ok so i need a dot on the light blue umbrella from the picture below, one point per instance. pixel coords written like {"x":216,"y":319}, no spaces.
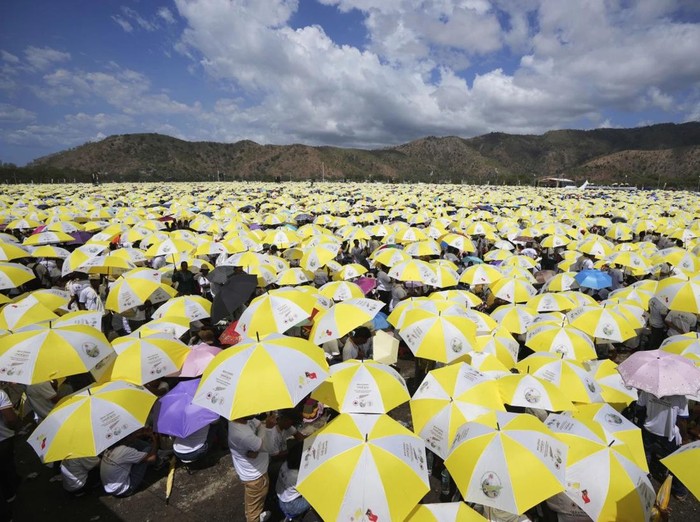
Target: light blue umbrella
{"x":594,"y":279}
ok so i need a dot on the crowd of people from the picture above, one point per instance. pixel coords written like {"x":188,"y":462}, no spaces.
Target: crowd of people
{"x":536,"y":239}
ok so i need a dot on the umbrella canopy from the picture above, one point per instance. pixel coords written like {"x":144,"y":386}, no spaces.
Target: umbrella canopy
{"x":594,"y":279}
{"x":680,"y":294}
{"x":377,"y":468}
{"x":683,"y":463}
{"x":567,"y":340}
{"x":512,"y":289}
{"x":27,"y":311}
{"x":144,"y":359}
{"x":341,"y":290}
{"x":235,"y":291}
{"x":197,"y":360}
{"x":507,"y":461}
{"x":446,"y":399}
{"x":128,"y":293}
{"x":88,"y":422}
{"x":193,"y":307}
{"x":275,"y":312}
{"x":529,"y":391}
{"x":13,"y":275}
{"x":362,"y":387}
{"x":174,"y":413}
{"x":568,"y":375}
{"x":445,"y":512}
{"x":342,"y":317}
{"x":45,"y":353}
{"x":612,"y":387}
{"x":289,"y":367}
{"x":660,"y":373}
{"x":516,"y":318}
{"x":442,"y":338}
{"x":601,"y":477}
{"x":601,"y":322}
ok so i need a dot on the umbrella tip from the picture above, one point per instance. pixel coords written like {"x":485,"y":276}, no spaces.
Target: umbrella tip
{"x":611,"y":443}
{"x":498,"y":427}
{"x":366,"y":437}
{"x":257,"y":335}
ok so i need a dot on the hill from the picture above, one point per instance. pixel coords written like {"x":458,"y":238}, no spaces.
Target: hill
{"x":650,"y":156}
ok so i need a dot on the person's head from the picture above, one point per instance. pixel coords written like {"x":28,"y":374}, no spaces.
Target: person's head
{"x":204,"y":271}
{"x":356,"y":242}
{"x":361,"y":335}
{"x":287,"y":418}
{"x":184,"y":266}
{"x":207,"y":335}
{"x":95,"y":281}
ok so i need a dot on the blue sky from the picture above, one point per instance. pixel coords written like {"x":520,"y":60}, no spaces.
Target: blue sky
{"x":354,"y":73}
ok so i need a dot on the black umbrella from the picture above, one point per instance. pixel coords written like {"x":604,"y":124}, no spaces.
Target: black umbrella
{"x":221,"y":274}
{"x":232,"y":294}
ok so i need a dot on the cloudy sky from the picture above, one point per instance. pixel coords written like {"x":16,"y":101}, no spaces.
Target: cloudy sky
{"x":354,"y":73}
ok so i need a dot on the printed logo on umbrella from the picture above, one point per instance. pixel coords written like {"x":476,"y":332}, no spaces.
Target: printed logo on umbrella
{"x":532,"y":395}
{"x":491,"y":485}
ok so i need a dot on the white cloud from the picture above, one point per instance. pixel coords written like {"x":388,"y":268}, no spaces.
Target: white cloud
{"x":166,"y":14}
{"x":12,"y":114}
{"x":123,"y":23}
{"x":138,"y":19}
{"x":9,"y":57}
{"x":42,"y":58}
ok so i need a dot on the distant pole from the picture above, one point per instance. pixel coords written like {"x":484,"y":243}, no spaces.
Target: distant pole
{"x":323,"y":171}
{"x":698,"y":183}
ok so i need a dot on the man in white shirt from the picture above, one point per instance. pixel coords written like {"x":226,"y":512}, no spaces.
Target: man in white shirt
{"x":42,"y":397}
{"x":89,"y":298}
{"x":124,"y":465}
{"x":79,"y":473}
{"x":657,"y":322}
{"x":358,"y":345}
{"x":664,"y":431}
{"x":680,"y":322}
{"x":250,"y":462}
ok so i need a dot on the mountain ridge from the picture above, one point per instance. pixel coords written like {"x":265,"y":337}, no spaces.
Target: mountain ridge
{"x":662,"y":154}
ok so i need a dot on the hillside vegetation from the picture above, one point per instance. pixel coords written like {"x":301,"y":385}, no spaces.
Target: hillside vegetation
{"x":666,"y":154}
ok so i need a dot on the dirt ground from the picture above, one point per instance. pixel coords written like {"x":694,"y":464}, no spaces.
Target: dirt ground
{"x":210,"y":494}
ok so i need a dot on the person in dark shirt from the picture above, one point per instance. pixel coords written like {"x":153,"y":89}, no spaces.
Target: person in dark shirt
{"x":186,"y":282}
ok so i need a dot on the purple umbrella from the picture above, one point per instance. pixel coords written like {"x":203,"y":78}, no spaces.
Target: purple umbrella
{"x":176,"y":415}
{"x":367,"y":284}
{"x":660,"y":373}
{"x":80,"y":238}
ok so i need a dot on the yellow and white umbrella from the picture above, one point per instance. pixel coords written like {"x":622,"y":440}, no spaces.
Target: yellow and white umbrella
{"x":550,"y":302}
{"x":516,"y":318}
{"x":341,"y":290}
{"x":499,"y":343}
{"x":172,"y":325}
{"x":601,"y":477}
{"x":460,"y":297}
{"x":362,"y":387}
{"x":529,"y":391}
{"x":144,"y":359}
{"x":444,"y":512}
{"x":351,"y":271}
{"x":130,"y":292}
{"x":13,"y":275}
{"x":571,"y":377}
{"x":615,"y":428}
{"x":512,"y":290}
{"x":88,"y":422}
{"x":294,"y":276}
{"x":680,"y":294}
{"x":427,"y":247}
{"x":414,"y":270}
{"x":683,"y":463}
{"x":687,"y":344}
{"x":48,"y":238}
{"x":193,"y":307}
{"x":567,"y":340}
{"x":342,"y":317}
{"x":316,"y":257}
{"x":458,"y":241}
{"x":507,"y":461}
{"x":389,"y":256}
{"x":601,"y":322}
{"x":612,"y":387}
{"x":377,"y":468}
{"x":10,"y":251}
{"x":289,"y":367}
{"x":27,"y":311}
{"x":446,"y":399}
{"x":275,"y":312}
{"x":44,"y":353}
{"x":561,"y":282}
{"x":438,"y":337}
